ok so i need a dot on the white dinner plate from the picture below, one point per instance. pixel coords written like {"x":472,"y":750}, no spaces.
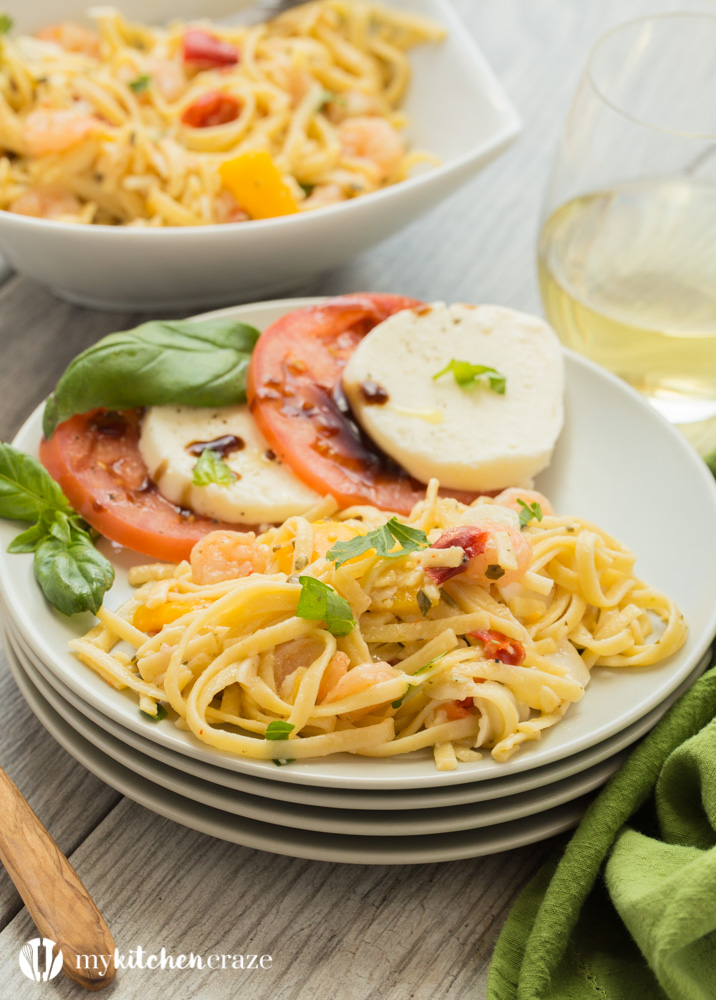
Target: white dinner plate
{"x":324,"y":819}
{"x":315,"y":846}
{"x":617,"y":463}
{"x":601,"y":760}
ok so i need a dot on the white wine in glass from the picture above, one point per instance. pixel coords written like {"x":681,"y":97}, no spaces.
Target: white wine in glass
{"x":627,"y":250}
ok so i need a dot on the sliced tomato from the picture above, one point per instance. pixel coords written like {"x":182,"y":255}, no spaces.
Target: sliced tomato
{"x":294,"y":392}
{"x":500,"y":647}
{"x":471,"y":538}
{"x":212,"y":108}
{"x":205,"y":51}
{"x":96,"y":460}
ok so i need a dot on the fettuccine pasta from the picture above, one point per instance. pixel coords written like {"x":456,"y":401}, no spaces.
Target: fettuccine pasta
{"x":420,"y":648}
{"x":201,"y":123}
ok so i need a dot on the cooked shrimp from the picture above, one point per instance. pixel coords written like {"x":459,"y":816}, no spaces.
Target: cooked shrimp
{"x":323,"y":195}
{"x":168,"y":75}
{"x":226,"y":555}
{"x":494,"y":553}
{"x":72,"y":38}
{"x":293,"y":79}
{"x":53,"y":130}
{"x":352,"y":104}
{"x":359,"y":679}
{"x":373,"y":139}
{"x":333,"y":674}
{"x":42,"y":203}
{"x":510,"y":496}
{"x":228,"y":209}
{"x":291,"y":659}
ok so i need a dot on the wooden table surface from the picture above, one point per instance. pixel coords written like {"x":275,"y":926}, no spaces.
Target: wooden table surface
{"x":346,"y":931}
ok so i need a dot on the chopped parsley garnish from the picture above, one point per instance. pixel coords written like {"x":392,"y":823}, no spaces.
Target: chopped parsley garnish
{"x":494,"y":571}
{"x":211,"y":468}
{"x":424,"y":602}
{"x":140,"y":84}
{"x":330,"y":97}
{"x":383,"y":540}
{"x":468,"y":376}
{"x":278,"y":730}
{"x":529,"y":512}
{"x":319,"y":602}
{"x":280,"y":761}
{"x":421,"y":670}
{"x":6,"y":24}
{"x":450,"y":601}
{"x":161,"y":714}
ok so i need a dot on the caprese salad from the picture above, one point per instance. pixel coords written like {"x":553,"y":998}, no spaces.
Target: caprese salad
{"x":156,"y":436}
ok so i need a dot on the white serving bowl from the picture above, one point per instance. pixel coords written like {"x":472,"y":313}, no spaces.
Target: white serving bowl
{"x":457,"y":109}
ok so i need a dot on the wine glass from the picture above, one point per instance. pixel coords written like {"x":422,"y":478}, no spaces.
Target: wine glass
{"x":627,"y":248}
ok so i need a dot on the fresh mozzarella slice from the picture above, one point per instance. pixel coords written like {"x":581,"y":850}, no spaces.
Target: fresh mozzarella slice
{"x":469,"y":438}
{"x":264,"y":490}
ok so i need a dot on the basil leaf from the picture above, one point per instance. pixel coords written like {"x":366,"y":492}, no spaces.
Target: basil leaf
{"x":421,"y":670}
{"x":211,"y":468}
{"x":194,"y":363}
{"x":140,"y":84}
{"x":278,"y":730}
{"x":529,"y":512}
{"x":424,"y":602}
{"x":383,"y":540}
{"x":61,"y":528}
{"x":73,"y":575}
{"x":280,"y":761}
{"x":161,"y":714}
{"x":27,"y":541}
{"x":27,"y":490}
{"x":319,"y":602}
{"x":409,"y":538}
{"x":467,"y":375}
{"x":6,"y":24}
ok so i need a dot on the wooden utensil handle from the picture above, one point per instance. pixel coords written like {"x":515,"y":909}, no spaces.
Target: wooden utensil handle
{"x":55,"y":897}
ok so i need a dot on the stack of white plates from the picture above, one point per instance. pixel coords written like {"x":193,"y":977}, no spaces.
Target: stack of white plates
{"x":617,"y":463}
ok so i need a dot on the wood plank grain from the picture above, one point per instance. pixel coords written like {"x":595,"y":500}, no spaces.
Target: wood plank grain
{"x":347,"y":931}
{"x":39,"y":336}
{"x":67,"y":798}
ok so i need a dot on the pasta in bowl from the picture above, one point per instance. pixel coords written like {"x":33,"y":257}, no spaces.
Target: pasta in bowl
{"x":461,"y":628}
{"x":201,"y":123}
{"x":136,"y":172}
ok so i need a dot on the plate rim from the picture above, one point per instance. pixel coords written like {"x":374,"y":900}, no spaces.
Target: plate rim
{"x":308,"y":845}
{"x":388,"y":823}
{"x":602,"y":752}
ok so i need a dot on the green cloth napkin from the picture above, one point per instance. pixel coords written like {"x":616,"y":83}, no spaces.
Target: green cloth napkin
{"x":628,"y":912}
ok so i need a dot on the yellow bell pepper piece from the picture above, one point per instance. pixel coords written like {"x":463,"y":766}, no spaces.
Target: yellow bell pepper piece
{"x":325,"y":536}
{"x":154,"y":619}
{"x":403,"y":602}
{"x":254,"y":180}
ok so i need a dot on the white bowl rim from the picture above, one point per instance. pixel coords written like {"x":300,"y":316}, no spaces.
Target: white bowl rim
{"x":494,"y":144}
